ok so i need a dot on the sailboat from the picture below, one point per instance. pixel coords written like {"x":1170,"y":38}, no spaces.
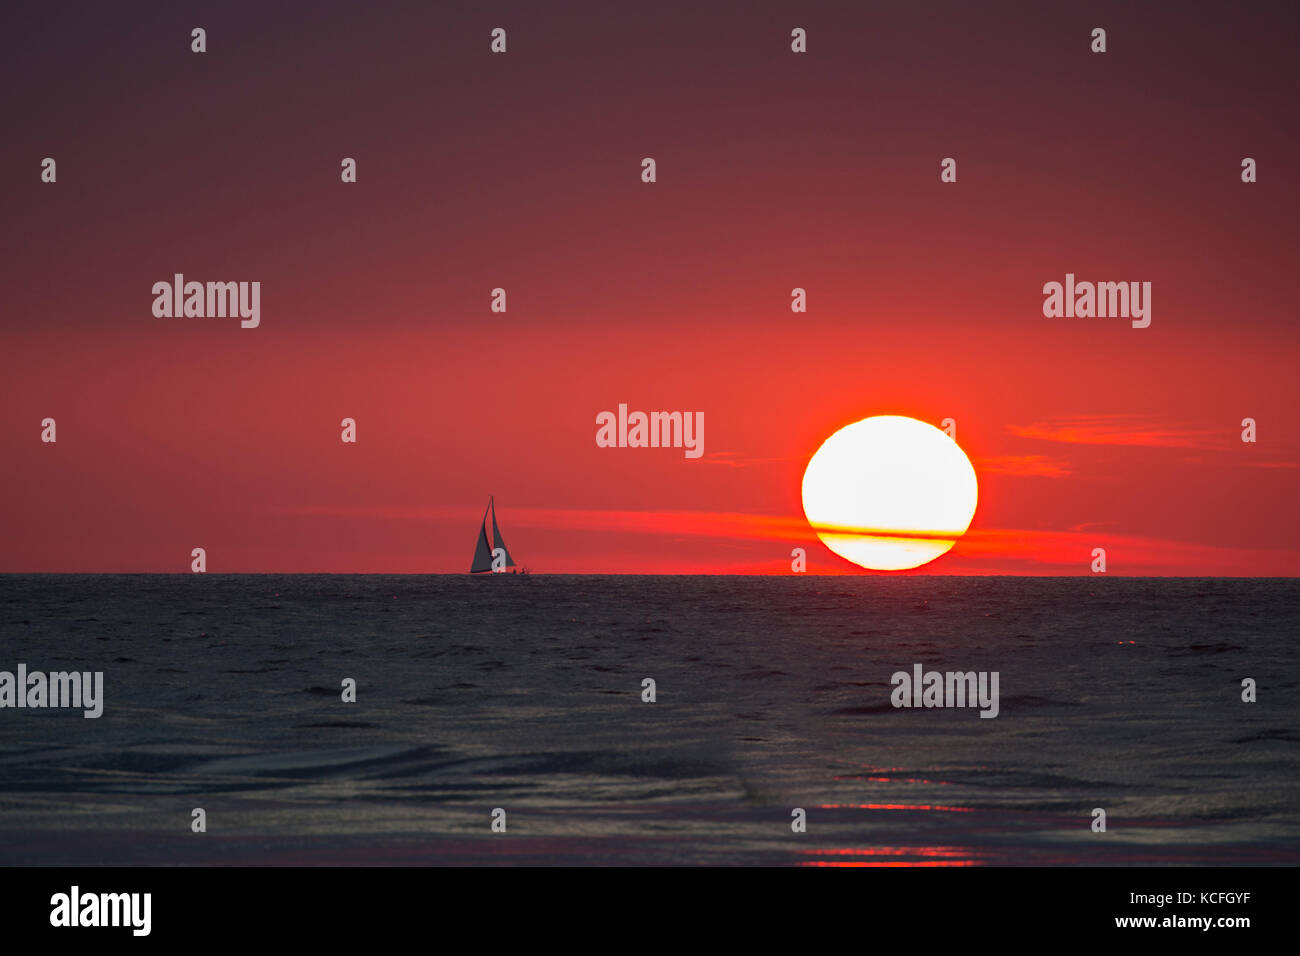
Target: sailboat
{"x":482,"y":551}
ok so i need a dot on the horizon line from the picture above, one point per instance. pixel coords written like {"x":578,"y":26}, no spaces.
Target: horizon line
{"x":649,"y":574}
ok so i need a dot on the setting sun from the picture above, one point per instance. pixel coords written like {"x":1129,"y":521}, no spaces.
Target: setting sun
{"x":889,"y":493}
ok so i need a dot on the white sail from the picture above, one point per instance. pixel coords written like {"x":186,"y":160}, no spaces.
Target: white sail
{"x":497,"y":541}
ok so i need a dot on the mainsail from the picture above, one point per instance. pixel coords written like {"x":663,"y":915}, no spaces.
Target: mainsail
{"x":497,"y":540}
{"x":482,"y":550}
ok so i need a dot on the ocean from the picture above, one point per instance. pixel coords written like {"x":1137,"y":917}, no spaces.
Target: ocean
{"x":524,"y":694}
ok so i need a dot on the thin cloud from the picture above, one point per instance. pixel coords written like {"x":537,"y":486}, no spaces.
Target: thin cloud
{"x":1032,"y":466}
{"x":732,"y":460}
{"x":1121,"y":430}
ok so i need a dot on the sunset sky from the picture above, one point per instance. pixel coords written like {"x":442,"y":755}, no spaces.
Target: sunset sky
{"x":775,"y":170}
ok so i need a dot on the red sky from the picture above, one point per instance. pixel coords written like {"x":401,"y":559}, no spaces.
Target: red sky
{"x":775,"y":170}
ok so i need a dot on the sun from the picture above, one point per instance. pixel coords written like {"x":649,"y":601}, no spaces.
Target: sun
{"x":889,"y":493}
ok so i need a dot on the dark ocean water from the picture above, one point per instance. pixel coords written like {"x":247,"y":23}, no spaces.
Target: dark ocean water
{"x":524,"y":693}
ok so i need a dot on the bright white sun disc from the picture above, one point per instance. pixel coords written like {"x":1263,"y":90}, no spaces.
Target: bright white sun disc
{"x":899,"y":477}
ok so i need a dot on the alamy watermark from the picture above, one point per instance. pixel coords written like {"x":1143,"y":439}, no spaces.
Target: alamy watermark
{"x":57,"y":689}
{"x":1125,"y":300}
{"x":651,"y":430}
{"x":75,"y":908}
{"x":950,"y":689}
{"x":181,"y":299}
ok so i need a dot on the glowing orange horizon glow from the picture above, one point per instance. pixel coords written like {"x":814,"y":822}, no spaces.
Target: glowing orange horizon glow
{"x":891,"y":806}
{"x":917,"y":863}
{"x":929,"y":856}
